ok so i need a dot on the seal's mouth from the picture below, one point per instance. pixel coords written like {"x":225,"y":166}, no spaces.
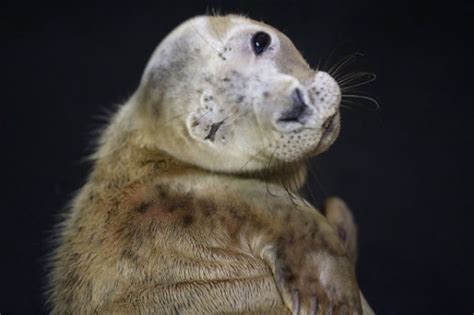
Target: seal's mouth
{"x":328,"y":129}
{"x":329,"y":126}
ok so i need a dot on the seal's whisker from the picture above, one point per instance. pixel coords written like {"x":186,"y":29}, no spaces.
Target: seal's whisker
{"x":333,"y":71}
{"x":268,"y":165}
{"x":350,"y":77}
{"x":296,"y":184}
{"x":252,"y":157}
{"x":314,"y":172}
{"x":202,"y":116}
{"x":233,"y":116}
{"x":363,"y":97}
{"x":307,"y":186}
{"x":285,"y":184}
{"x":355,"y":105}
{"x":176,"y":117}
{"x":370,"y":77}
{"x":329,"y":57}
{"x":204,"y":39}
{"x":212,"y":22}
{"x":346,"y":106}
{"x":364,"y":77}
{"x":213,"y":12}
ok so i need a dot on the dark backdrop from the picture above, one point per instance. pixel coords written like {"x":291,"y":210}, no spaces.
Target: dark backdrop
{"x":405,"y":169}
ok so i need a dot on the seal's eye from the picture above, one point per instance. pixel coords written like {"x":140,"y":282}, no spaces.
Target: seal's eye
{"x":260,"y":42}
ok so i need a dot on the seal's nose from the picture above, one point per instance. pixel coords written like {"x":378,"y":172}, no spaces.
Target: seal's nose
{"x":298,"y":111}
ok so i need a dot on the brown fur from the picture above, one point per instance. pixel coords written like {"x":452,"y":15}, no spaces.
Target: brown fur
{"x":141,"y":239}
{"x":149,"y":234}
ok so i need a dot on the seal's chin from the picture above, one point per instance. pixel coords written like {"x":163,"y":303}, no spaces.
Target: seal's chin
{"x":303,"y":141}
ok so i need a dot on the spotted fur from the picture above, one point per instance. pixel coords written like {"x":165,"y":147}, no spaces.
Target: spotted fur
{"x":192,"y":204}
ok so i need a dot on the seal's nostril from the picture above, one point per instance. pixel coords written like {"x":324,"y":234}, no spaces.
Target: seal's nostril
{"x":298,"y":98}
{"x":299,"y":107}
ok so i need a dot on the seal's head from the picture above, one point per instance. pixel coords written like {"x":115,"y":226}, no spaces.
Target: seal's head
{"x":231,"y":94}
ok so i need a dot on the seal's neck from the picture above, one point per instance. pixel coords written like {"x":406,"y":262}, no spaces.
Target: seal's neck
{"x":124,"y":156}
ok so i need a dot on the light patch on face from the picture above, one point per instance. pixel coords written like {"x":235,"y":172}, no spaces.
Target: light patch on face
{"x":210,"y":121}
{"x":235,"y":100}
{"x":296,"y":140}
{"x":325,"y":94}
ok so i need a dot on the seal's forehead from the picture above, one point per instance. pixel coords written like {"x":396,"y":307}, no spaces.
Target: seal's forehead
{"x":289,"y":60}
{"x":221,"y":25}
{"x":217,"y":28}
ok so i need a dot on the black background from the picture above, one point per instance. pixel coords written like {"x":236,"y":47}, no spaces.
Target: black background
{"x":405,"y":169}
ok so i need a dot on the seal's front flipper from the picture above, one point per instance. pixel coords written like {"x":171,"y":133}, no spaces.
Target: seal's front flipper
{"x":340,"y":217}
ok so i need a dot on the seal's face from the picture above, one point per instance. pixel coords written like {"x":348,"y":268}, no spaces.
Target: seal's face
{"x":240,"y":96}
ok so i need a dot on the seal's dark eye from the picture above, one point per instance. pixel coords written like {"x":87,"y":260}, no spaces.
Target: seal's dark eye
{"x":260,"y":42}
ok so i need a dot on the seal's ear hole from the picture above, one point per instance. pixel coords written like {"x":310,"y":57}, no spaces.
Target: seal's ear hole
{"x":260,"y":42}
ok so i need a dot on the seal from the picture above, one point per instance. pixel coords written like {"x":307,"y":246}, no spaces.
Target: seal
{"x":192,"y":205}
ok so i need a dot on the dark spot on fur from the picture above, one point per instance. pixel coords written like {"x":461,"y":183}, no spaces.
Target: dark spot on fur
{"x":108,"y":216}
{"x":188,"y":220}
{"x":172,"y":201}
{"x":226,"y":79}
{"x":342,"y":234}
{"x":235,"y":213}
{"x":266,"y":94}
{"x":161,"y":191}
{"x":143,"y":207}
{"x":129,"y":254}
{"x":207,"y":207}
{"x":287,"y":274}
{"x":240,"y":98}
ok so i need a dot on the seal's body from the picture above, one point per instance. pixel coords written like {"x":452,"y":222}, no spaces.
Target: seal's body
{"x":192,"y":205}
